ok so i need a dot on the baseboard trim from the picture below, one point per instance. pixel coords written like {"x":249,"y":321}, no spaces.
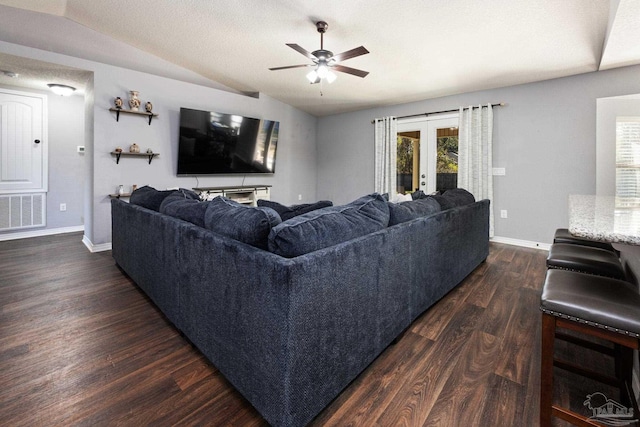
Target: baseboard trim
{"x":40,"y":233}
{"x":522,"y":243}
{"x":95,"y":248}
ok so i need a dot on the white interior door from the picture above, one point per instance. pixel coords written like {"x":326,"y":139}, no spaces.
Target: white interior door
{"x":23,"y":142}
{"x":428,"y":128}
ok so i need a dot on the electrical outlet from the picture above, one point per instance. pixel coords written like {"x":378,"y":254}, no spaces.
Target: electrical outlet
{"x":503,"y":213}
{"x":499,"y":171}
{"x":299,"y":196}
{"x":63,"y":207}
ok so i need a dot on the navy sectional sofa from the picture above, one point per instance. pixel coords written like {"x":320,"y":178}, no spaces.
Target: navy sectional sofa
{"x":291,"y":333}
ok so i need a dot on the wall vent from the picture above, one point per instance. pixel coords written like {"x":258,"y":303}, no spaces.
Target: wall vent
{"x":22,"y":211}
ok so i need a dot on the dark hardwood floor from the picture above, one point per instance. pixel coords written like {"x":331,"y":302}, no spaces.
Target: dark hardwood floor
{"x":81,"y":345}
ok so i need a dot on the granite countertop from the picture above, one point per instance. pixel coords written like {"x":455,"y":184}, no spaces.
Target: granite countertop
{"x":605,"y":218}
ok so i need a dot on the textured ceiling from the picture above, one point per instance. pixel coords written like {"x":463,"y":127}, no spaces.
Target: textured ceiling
{"x":419,"y":48}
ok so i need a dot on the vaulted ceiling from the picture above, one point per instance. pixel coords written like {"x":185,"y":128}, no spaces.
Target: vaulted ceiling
{"x":419,"y":49}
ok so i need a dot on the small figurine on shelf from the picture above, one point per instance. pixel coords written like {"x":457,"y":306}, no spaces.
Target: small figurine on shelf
{"x":134,"y":187}
{"x":118,"y":103}
{"x":134,"y":148}
{"x":134,"y":102}
{"x":149,"y":151}
{"x":148,"y":107}
{"x":120,"y":190}
{"x":118,"y":150}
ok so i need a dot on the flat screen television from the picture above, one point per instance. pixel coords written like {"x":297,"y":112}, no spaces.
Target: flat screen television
{"x":213,"y":143}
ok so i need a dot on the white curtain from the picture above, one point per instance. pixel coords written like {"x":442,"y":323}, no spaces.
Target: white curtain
{"x":386,"y":152}
{"x":475,"y":164}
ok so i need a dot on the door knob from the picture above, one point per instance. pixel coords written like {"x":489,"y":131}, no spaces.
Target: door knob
{"x":37,"y":141}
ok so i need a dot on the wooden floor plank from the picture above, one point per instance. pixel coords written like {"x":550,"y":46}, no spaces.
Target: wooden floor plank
{"x":80,"y":344}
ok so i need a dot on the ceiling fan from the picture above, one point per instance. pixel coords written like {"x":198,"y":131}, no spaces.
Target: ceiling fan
{"x":324,"y":61}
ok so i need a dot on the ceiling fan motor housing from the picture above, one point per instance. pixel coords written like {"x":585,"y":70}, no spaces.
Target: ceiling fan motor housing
{"x":322,"y":54}
{"x":322,"y":27}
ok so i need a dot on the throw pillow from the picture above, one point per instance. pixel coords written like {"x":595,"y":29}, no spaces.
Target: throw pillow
{"x":329,"y":226}
{"x":288,"y":212}
{"x":148,"y":197}
{"x":406,"y":211}
{"x":459,"y":196}
{"x":247,"y":224}
{"x":418,"y":194}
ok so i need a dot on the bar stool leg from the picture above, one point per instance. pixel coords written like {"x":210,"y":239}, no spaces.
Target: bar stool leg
{"x":624,"y":372}
{"x":546,"y":369}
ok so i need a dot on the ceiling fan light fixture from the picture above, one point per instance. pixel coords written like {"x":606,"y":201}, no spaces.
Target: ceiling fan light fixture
{"x":322,"y":70}
{"x":312,"y":76}
{"x":62,"y":90}
{"x":331,"y":76}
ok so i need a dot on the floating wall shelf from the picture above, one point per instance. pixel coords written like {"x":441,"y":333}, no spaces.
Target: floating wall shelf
{"x":139,"y":113}
{"x":150,"y":156}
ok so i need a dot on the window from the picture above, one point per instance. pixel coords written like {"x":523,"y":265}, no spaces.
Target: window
{"x":447,"y":160}
{"x":627,"y":161}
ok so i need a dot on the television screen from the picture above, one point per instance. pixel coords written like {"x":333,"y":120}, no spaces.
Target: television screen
{"x":216,"y":143}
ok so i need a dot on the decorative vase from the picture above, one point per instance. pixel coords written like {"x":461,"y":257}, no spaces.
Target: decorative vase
{"x":134,"y":148}
{"x":118,"y":102}
{"x":134,"y":102}
{"x":121,"y":190}
{"x":148,"y":107}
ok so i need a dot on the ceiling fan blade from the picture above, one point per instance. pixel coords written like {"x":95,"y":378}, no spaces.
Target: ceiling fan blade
{"x":350,"y":70}
{"x":350,"y":54}
{"x":291,"y":66}
{"x":301,"y":50}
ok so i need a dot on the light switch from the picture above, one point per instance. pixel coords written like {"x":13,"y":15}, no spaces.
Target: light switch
{"x":499,"y":171}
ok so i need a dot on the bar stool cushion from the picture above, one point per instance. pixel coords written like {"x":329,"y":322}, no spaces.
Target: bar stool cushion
{"x":585,"y":259}
{"x":598,"y":301}
{"x":564,"y":236}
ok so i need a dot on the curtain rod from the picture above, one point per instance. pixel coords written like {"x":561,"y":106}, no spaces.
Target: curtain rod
{"x":499,"y":104}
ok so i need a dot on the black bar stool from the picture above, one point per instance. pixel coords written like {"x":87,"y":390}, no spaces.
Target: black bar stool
{"x":585,"y":259}
{"x":563,"y":235}
{"x":595,"y":306}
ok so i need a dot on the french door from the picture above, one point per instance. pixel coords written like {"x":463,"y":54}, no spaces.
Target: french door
{"x":435,"y":157}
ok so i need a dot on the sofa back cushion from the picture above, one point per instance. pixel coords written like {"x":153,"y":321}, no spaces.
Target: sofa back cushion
{"x":288,"y":212}
{"x":149,"y":197}
{"x":247,"y":224}
{"x":185,"y":205}
{"x":329,"y":226}
{"x":406,"y":211}
{"x":459,"y":197}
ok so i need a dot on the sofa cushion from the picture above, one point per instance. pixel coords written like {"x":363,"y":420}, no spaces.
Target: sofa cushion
{"x":247,"y":224}
{"x":185,"y":205}
{"x":406,"y":211}
{"x":329,"y":226}
{"x":148,"y":197}
{"x":288,"y":212}
{"x":459,"y":196}
{"x":444,"y":202}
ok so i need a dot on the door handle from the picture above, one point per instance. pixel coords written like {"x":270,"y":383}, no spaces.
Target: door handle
{"x":37,"y":141}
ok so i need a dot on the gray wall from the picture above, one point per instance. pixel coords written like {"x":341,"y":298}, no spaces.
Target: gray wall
{"x":296,"y":156}
{"x":545,"y":137}
{"x":66,"y":166}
